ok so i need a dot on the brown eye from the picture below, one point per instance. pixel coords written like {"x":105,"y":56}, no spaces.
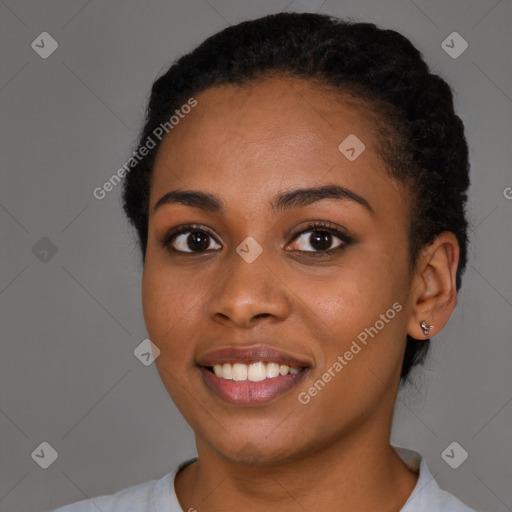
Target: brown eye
{"x":319,"y":238}
{"x":189,"y":239}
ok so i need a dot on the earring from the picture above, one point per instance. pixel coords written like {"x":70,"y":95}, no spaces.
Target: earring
{"x":426,"y":328}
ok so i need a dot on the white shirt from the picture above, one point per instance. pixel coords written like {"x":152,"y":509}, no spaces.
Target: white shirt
{"x":159,"y":495}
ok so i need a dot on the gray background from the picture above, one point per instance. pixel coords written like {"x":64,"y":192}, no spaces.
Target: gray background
{"x":70,"y":324}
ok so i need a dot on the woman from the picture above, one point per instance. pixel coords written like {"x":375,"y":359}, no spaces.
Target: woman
{"x":298,"y":195}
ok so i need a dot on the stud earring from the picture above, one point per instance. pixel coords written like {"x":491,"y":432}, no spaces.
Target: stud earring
{"x":426,"y":328}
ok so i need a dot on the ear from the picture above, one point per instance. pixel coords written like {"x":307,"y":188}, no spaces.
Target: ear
{"x":433,"y":288}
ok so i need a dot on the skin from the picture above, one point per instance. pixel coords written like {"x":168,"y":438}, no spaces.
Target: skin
{"x":246,"y":145}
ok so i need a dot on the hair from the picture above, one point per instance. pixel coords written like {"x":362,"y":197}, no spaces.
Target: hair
{"x":419,"y":136}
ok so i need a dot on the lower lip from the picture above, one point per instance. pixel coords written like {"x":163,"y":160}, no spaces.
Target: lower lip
{"x":246,"y":392}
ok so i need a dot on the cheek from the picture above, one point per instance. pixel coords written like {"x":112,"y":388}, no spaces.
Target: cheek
{"x":350,"y":294}
{"x":362,"y":301}
{"x":167,"y":308}
{"x":358,"y":363}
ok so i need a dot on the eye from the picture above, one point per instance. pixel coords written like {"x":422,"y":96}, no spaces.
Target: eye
{"x":320,"y":236}
{"x":188,"y":239}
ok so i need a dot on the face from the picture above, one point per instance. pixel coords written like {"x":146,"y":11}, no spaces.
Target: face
{"x":270,"y":281}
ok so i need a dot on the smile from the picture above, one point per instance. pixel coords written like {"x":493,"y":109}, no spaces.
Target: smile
{"x":243,"y":390}
{"x":251,"y":375}
{"x":254,"y":372}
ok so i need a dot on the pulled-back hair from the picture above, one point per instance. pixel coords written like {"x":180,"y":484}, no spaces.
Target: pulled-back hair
{"x":420,"y":138}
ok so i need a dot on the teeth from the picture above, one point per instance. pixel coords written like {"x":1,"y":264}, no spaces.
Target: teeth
{"x":254,"y":372}
{"x":272,"y":370}
{"x":257,"y":372}
{"x":217,"y":369}
{"x":226,"y":371}
{"x":239,"y":371}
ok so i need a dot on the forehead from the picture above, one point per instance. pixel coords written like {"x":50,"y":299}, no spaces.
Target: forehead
{"x":279,"y":132}
{"x":276,"y":111}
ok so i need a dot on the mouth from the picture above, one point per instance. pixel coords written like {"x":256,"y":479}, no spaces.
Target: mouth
{"x":251,"y":376}
{"x":254,"y":372}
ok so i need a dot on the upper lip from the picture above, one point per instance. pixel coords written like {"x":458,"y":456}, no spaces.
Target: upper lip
{"x":249,"y":355}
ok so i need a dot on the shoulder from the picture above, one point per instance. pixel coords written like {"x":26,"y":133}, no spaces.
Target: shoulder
{"x":153,"y":495}
{"x":136,"y":498}
{"x":427,"y":496}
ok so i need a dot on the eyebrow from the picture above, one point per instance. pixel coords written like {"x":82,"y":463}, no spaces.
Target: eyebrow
{"x":287,"y":200}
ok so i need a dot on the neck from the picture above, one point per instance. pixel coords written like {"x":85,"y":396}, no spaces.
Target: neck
{"x":360,"y":472}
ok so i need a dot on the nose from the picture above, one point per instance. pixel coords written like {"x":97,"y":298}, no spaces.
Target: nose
{"x":246,"y":292}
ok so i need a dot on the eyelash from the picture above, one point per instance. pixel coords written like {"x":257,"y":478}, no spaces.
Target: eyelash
{"x":166,"y":240}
